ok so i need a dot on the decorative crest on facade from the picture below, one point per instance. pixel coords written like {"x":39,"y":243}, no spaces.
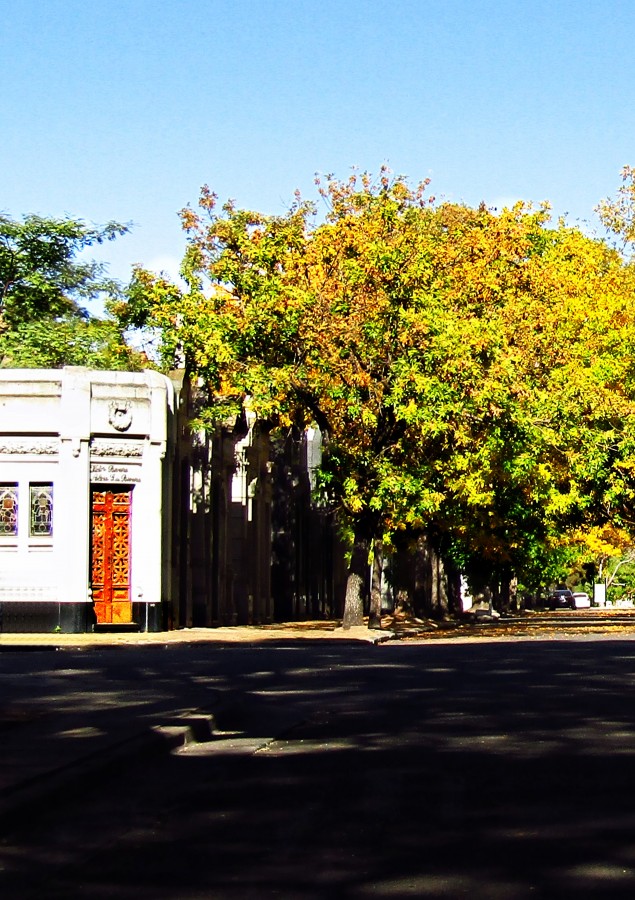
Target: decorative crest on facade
{"x":120,"y":414}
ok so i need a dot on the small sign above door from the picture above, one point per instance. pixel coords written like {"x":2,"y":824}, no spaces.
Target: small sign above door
{"x":115,"y":473}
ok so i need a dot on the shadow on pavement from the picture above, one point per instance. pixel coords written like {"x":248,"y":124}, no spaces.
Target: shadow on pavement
{"x":490,"y":771}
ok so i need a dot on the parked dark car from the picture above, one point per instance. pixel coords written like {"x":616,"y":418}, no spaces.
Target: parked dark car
{"x":561,"y":599}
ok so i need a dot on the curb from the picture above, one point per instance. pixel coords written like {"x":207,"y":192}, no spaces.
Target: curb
{"x":225,"y":635}
{"x":18,"y":802}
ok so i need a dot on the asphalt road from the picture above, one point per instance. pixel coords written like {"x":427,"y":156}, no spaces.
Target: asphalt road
{"x":482,"y":770}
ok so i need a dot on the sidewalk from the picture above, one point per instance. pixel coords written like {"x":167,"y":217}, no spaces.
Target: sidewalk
{"x":244,"y":634}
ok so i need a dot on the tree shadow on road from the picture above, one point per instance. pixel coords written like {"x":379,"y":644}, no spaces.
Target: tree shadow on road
{"x":491,"y":770}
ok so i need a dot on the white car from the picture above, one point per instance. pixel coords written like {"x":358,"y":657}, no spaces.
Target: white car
{"x":582,"y":600}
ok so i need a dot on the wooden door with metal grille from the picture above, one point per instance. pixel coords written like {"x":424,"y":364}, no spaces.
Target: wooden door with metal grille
{"x":110,"y":554}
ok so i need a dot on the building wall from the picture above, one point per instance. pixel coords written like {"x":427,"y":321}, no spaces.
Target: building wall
{"x":254,"y":547}
{"x":73,"y":429}
{"x":223,"y":528}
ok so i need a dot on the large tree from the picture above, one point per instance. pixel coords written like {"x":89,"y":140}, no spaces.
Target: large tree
{"x":46,"y":286}
{"x":557,"y":452}
{"x":470,"y":370}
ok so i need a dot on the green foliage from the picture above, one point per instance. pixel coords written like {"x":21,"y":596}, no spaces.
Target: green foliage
{"x":68,"y":341}
{"x":44,"y":287}
{"x":472,"y":371}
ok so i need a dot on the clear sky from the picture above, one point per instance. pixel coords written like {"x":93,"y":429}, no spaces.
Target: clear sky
{"x":123,"y":109}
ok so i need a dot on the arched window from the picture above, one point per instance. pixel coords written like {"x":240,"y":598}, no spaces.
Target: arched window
{"x":8,"y":509}
{"x":41,"y":510}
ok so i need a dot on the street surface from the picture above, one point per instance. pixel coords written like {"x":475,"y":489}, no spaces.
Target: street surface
{"x":501,"y":769}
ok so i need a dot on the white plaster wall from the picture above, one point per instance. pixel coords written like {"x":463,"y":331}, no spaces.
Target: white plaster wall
{"x":55,"y":426}
{"x":29,"y":566}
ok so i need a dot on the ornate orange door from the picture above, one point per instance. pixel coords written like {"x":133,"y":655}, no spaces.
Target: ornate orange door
{"x":110,"y":555}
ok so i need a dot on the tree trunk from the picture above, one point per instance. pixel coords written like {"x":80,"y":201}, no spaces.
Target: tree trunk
{"x":374,"y":619}
{"x":357,"y":578}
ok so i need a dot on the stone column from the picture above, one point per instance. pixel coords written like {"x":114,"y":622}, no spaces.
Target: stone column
{"x":155,"y":534}
{"x":72,"y":488}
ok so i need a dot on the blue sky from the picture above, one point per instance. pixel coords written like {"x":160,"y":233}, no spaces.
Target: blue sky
{"x":123,"y":109}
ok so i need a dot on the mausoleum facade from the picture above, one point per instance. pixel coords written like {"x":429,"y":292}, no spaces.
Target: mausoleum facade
{"x":115,"y":513}
{"x":85,"y":517}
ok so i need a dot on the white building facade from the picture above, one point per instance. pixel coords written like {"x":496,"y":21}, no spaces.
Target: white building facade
{"x":85,"y":500}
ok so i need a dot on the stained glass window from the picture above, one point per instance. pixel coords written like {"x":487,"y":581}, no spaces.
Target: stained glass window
{"x":8,"y":509}
{"x":41,"y":509}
